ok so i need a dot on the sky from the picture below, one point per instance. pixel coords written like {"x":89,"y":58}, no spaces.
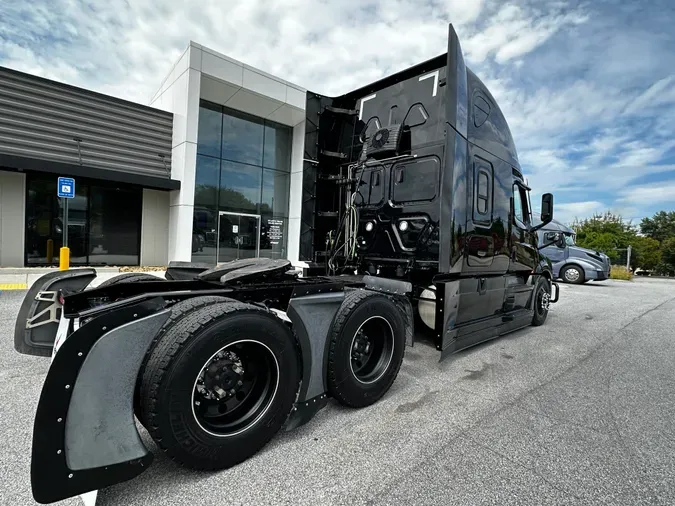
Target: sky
{"x":588,"y":88}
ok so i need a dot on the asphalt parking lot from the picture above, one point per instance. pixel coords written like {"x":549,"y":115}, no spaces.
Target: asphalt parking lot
{"x":579,"y":411}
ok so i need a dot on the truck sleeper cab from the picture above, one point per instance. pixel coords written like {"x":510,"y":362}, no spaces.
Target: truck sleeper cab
{"x":433,"y":195}
{"x":432,"y":221}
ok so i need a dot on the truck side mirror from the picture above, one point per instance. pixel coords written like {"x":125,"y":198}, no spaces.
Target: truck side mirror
{"x":546,"y":211}
{"x":546,"y":208}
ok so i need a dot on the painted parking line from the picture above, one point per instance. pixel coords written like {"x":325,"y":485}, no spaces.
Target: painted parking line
{"x":13,"y":286}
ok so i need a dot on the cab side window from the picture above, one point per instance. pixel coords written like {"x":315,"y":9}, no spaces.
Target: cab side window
{"x":520,"y":211}
{"x":482,"y":208}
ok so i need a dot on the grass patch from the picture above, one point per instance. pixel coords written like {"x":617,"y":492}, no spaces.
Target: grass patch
{"x":620,"y":272}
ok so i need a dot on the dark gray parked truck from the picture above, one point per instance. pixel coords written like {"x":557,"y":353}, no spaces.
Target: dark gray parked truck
{"x":572,"y":263}
{"x":434,"y":224}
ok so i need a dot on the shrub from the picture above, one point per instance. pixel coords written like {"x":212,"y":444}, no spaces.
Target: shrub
{"x":620,"y":272}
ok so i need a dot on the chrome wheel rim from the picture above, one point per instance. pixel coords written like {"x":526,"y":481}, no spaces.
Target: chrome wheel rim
{"x":572,"y":274}
{"x":543,"y":301}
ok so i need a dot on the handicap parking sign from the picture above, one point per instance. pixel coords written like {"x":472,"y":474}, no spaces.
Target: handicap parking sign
{"x":66,"y":187}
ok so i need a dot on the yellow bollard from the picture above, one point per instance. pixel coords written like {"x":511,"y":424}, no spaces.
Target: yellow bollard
{"x":64,"y":259}
{"x":50,"y":251}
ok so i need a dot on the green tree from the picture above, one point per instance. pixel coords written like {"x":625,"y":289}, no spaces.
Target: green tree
{"x":646,"y":253}
{"x":668,"y":251}
{"x":604,"y":232}
{"x":661,"y":226}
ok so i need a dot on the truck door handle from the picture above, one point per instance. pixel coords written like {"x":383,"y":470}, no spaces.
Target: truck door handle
{"x":399,"y":175}
{"x":481,"y":286}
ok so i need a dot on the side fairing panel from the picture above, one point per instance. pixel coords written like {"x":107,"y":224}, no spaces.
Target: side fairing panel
{"x":454,"y":202}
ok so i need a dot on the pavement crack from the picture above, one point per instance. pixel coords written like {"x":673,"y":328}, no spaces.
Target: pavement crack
{"x":646,"y":313}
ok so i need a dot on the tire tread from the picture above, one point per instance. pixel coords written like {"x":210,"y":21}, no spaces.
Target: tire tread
{"x":177,"y":311}
{"x":351,"y":301}
{"x":183,"y":327}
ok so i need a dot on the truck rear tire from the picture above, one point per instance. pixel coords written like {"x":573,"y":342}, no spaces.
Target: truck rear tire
{"x":177,"y":311}
{"x":219,"y":384}
{"x":367,"y":343}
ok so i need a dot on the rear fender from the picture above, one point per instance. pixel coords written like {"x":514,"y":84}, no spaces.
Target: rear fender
{"x":312,"y":310}
{"x":39,"y":315}
{"x":399,"y":292}
{"x":85,"y":436}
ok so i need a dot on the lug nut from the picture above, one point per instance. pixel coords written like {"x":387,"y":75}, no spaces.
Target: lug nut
{"x":240,"y":383}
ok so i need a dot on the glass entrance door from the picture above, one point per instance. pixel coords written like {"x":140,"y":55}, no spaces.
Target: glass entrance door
{"x":238,"y":236}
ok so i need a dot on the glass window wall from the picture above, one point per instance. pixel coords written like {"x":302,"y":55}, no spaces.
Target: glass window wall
{"x":243,"y":167}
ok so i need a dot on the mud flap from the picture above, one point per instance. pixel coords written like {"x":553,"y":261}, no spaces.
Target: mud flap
{"x":85,"y":436}
{"x":40,"y":312}
{"x":312,"y":315}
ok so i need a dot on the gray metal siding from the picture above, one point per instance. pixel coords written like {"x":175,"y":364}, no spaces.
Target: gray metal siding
{"x":43,"y":119}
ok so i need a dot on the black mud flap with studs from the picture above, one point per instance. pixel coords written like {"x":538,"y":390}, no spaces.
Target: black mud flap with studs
{"x":84,"y":436}
{"x":39,"y":315}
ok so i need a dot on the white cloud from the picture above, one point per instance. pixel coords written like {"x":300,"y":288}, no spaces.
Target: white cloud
{"x":656,"y":193}
{"x":566,"y":213}
{"x":659,"y":93}
{"x":517,"y":30}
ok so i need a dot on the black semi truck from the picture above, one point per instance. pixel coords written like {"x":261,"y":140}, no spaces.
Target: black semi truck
{"x":431,"y":223}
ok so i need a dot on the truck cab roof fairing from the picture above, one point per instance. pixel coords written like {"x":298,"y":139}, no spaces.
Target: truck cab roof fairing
{"x":488,"y":127}
{"x":475,"y":114}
